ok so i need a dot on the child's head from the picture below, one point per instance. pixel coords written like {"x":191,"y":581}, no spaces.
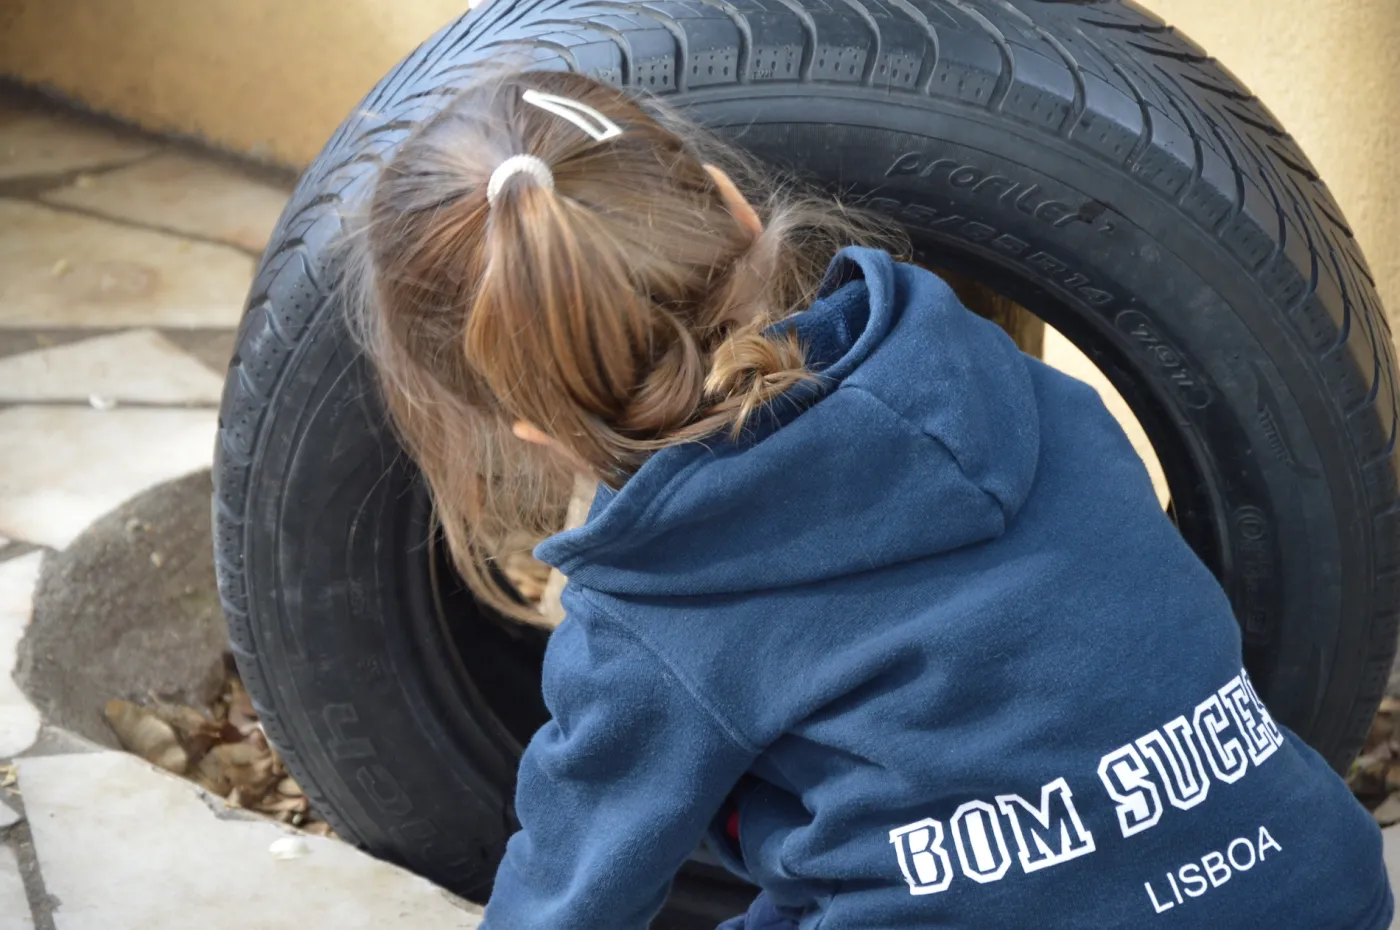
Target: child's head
{"x":610,"y":289}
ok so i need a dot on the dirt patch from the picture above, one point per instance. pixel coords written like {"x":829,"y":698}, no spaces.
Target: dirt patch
{"x":129,"y":610}
{"x":128,"y":648}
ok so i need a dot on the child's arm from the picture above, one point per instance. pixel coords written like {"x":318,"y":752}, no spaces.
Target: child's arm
{"x":616,"y":790}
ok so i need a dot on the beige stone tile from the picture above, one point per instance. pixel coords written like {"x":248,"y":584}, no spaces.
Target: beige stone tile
{"x":19,"y":721}
{"x":62,"y":269}
{"x":14,"y":906}
{"x":63,"y":467}
{"x":123,"y":845}
{"x":8,"y":818}
{"x":139,"y":366}
{"x":35,"y":143}
{"x":183,"y":193}
{"x":1062,"y":354}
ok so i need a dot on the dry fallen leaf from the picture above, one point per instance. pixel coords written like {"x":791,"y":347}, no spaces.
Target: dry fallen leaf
{"x":278,"y":804}
{"x":241,"y":714}
{"x":197,"y":732}
{"x":1373,"y":762}
{"x":235,"y":765}
{"x":1388,"y":812}
{"x":187,"y":721}
{"x":142,"y":732}
{"x":526,"y":574}
{"x":1379,"y":732}
{"x":1375,"y":775}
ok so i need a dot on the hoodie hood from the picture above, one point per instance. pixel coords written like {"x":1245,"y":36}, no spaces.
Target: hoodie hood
{"x":921,"y":436}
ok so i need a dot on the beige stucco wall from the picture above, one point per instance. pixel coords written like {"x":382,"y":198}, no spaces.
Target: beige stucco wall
{"x":272,"y":78}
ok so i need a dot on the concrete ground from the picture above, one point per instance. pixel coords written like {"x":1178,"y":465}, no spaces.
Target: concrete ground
{"x":124,"y":262}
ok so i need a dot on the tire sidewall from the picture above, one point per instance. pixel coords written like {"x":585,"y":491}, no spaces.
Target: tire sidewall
{"x":1193,"y":340}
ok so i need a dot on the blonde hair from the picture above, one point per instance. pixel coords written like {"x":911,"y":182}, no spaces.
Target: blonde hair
{"x":620,"y":310}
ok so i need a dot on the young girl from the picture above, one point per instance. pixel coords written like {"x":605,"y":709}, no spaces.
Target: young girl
{"x":889,"y":604}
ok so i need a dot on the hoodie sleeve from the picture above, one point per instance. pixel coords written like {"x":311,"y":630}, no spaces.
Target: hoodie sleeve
{"x":616,"y":790}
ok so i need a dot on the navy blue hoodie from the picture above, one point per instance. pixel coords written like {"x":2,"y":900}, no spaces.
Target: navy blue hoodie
{"x":932,"y":616}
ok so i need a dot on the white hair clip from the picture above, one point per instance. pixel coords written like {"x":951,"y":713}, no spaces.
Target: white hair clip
{"x":598,"y":126}
{"x":518,"y":164}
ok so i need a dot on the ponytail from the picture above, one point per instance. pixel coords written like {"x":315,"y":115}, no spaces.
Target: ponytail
{"x":546,"y":249}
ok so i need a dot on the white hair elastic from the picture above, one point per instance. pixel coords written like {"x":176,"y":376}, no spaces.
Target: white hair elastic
{"x":598,"y":126}
{"x":518,"y":164}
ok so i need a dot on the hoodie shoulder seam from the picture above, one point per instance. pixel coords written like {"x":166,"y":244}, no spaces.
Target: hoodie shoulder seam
{"x":728,"y":728}
{"x":667,"y":490}
{"x":996,"y":501}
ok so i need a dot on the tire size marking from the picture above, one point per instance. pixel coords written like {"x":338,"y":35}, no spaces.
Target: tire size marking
{"x":342,"y":746}
{"x":1190,"y":387}
{"x":389,"y":798}
{"x":1255,"y":583}
{"x":374,"y":778}
{"x":1043,"y":263}
{"x":1142,"y":335}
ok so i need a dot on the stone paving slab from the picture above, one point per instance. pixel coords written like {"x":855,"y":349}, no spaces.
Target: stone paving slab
{"x":137,"y":366}
{"x":33,"y":142}
{"x":123,"y":846}
{"x":14,"y":907}
{"x":8,"y":815}
{"x":213,"y":347}
{"x":65,"y":269}
{"x":184,"y":194}
{"x":63,"y":467}
{"x":19,"y":721}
